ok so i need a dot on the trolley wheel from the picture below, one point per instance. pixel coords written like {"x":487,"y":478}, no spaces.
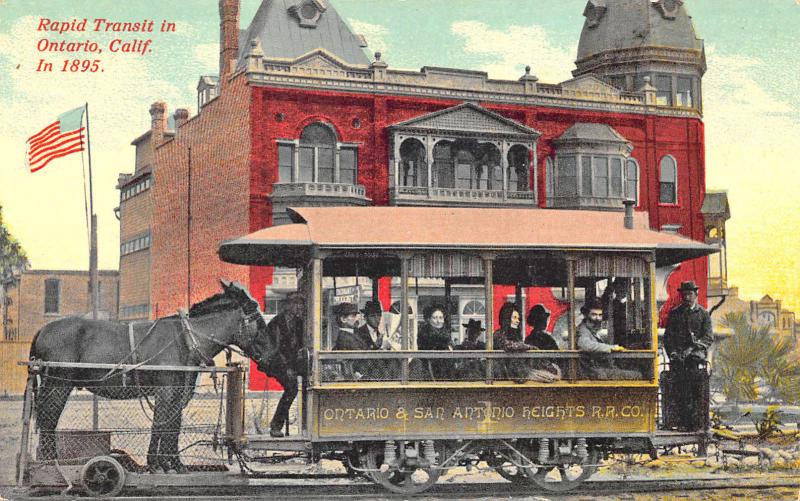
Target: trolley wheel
{"x":509,"y":471}
{"x":404,"y":480}
{"x":565,"y":477}
{"x":102,"y":476}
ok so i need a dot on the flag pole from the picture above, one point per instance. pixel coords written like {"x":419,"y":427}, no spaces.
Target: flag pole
{"x":93,"y":280}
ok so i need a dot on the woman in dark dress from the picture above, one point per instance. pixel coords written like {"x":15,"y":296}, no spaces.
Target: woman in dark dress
{"x":509,"y":339}
{"x":435,"y":335}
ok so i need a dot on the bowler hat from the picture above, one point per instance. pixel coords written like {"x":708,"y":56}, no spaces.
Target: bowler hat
{"x":344,"y":309}
{"x":688,"y":285}
{"x":372,"y":307}
{"x":538,"y":312}
{"x":473,"y":325}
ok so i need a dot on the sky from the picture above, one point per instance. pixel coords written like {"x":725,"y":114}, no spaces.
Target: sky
{"x":751,"y":117}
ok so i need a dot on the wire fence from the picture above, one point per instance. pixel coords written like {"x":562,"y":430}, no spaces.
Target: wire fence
{"x":90,"y":425}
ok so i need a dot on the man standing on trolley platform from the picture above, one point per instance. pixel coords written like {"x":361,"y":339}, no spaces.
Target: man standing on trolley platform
{"x":281,"y":359}
{"x":687,"y":339}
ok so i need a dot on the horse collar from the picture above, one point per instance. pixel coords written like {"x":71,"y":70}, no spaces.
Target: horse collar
{"x":191,"y":339}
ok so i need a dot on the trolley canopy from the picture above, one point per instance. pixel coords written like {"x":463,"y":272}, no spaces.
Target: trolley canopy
{"x":385,"y":229}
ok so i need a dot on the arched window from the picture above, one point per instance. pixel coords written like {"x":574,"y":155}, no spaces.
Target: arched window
{"x":518,"y":168}
{"x":668,"y":181}
{"x":413,"y":166}
{"x":472,"y":310}
{"x":549,"y":179}
{"x":632,"y":180}
{"x":317,"y":157}
{"x":317,"y":153}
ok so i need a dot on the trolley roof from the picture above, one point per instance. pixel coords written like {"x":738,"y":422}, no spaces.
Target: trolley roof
{"x":466,"y":229}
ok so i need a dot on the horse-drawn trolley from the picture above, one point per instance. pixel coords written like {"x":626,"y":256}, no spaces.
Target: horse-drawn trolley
{"x":405,"y":415}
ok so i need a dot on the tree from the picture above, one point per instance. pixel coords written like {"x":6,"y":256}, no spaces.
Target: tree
{"x":12,"y":261}
{"x":753,"y":354}
{"x":12,"y":256}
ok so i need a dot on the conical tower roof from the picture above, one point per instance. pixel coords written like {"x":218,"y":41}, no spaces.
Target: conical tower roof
{"x":624,"y":25}
{"x":288,"y":29}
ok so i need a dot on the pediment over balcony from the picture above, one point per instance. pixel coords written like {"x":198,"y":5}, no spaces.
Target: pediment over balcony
{"x":467,"y":119}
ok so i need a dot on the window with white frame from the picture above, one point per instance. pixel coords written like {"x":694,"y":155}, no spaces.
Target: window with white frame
{"x":317,"y":157}
{"x":668,"y":181}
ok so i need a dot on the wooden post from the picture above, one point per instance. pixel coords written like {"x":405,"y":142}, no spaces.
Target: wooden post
{"x":652,"y":324}
{"x":573,"y":345}
{"x":488,"y":289}
{"x":405,"y":332}
{"x":27,"y":406}
{"x":520,"y":302}
{"x":314,"y":322}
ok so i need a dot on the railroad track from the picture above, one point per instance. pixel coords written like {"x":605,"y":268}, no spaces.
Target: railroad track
{"x":328,"y":489}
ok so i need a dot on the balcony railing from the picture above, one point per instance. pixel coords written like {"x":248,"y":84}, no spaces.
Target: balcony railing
{"x":582,"y":202}
{"x":422,"y":195}
{"x":281,"y":190}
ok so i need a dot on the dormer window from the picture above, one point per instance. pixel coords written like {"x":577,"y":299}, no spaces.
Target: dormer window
{"x":308,"y":12}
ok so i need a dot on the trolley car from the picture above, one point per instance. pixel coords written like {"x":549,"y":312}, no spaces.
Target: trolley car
{"x":402,"y":423}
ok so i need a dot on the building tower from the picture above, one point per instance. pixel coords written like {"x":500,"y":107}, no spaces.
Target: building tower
{"x":625,"y":42}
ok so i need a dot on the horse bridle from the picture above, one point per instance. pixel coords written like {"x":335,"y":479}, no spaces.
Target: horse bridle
{"x":244,"y":337}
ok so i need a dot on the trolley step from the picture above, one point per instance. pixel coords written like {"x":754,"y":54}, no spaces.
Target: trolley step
{"x":266,"y":442}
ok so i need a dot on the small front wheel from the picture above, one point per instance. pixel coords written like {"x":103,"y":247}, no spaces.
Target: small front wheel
{"x":102,"y":476}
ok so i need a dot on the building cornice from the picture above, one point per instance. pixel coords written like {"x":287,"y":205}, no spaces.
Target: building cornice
{"x":441,"y":83}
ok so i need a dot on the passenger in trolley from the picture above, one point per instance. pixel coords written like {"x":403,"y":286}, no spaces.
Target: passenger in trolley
{"x":435,"y":335}
{"x":596,"y":362}
{"x":509,"y":339}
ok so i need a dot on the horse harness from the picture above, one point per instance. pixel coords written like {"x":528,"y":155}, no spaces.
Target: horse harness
{"x":248,"y":329}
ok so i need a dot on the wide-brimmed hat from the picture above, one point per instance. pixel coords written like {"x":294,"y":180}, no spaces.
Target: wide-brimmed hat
{"x":538,"y":312}
{"x":591,"y":304}
{"x":344,"y":309}
{"x":474,"y":325}
{"x":688,"y":285}
{"x":371,"y":308}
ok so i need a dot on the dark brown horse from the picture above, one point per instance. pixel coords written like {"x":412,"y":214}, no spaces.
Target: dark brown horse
{"x":229,"y":318}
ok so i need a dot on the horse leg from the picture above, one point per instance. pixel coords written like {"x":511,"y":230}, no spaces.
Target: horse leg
{"x":172,"y":430}
{"x":50,"y":403}
{"x":155,"y":461}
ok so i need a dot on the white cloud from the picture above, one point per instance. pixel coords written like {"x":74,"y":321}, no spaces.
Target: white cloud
{"x":375,"y":34}
{"x":508,"y":51}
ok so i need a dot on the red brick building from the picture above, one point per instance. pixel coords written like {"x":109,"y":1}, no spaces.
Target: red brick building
{"x":299,"y":115}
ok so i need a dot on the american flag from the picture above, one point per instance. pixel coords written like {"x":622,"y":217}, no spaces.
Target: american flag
{"x":60,"y":138}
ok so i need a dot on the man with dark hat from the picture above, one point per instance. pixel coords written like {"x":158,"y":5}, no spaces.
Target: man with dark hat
{"x":687,"y":339}
{"x":348,"y":337}
{"x":373,"y":311}
{"x":473,"y":330}
{"x":281,"y":358}
{"x":596,"y":361}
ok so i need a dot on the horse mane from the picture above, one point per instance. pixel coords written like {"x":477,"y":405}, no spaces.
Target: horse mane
{"x":217,"y":302}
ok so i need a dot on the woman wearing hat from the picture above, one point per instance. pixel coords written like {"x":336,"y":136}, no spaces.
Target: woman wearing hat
{"x":539,"y":338}
{"x":509,"y":338}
